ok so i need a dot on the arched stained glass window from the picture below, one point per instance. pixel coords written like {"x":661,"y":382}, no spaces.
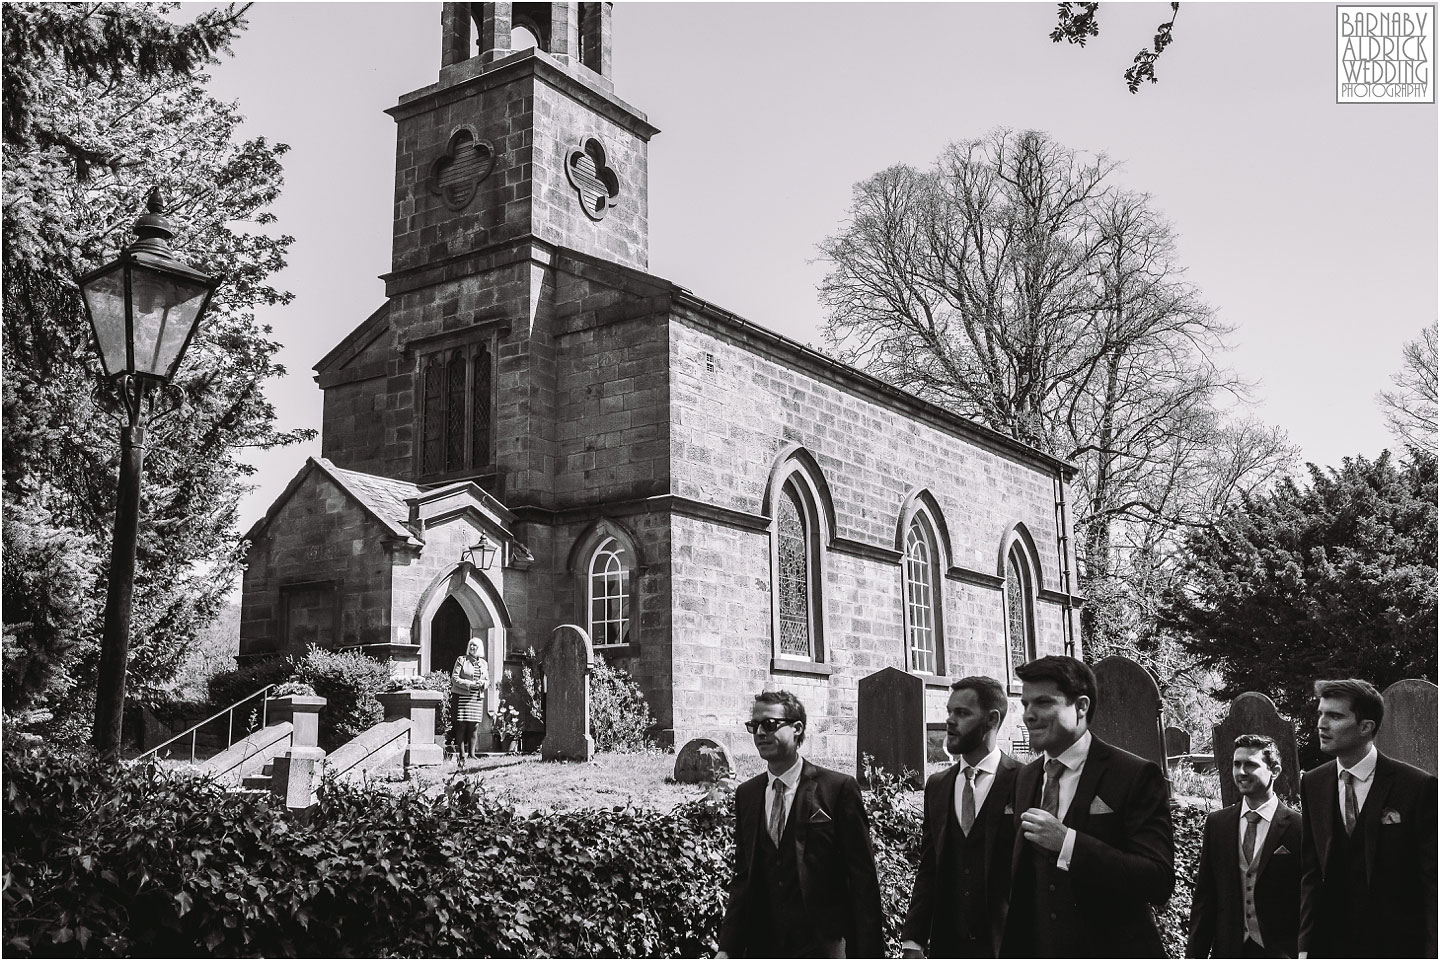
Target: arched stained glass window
{"x":480,"y":409}
{"x":792,"y":543}
{"x":920,"y":594}
{"x":1019,"y":609}
{"x":609,"y":594}
{"x":456,"y":409}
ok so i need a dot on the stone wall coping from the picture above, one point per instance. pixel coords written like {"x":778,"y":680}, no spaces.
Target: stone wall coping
{"x":412,"y":696}
{"x":307,"y":703}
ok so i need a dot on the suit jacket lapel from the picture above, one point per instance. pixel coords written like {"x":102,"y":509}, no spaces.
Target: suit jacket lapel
{"x":999,"y":796}
{"x":1027,"y":781}
{"x":1383,"y":780}
{"x":800,"y":812}
{"x":1095,"y":762}
{"x":948,"y":783}
{"x":1322,"y":810}
{"x":1282,"y":818}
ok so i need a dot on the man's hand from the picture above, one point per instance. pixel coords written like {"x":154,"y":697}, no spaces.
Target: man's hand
{"x":721,"y":954}
{"x":1043,"y":829}
{"x":912,"y":953}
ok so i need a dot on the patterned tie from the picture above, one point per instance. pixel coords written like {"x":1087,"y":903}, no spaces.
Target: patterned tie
{"x":777,"y":812}
{"x":1247,"y":844}
{"x":1050,"y":799}
{"x":967,"y":801}
{"x":1352,"y":808}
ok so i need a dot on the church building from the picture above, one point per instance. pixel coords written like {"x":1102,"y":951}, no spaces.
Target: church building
{"x":722,"y":509}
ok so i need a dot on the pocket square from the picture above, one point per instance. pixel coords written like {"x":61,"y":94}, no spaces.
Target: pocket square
{"x":1390,"y":816}
{"x":1008,"y":809}
{"x":819,"y":817}
{"x":1282,"y":849}
{"x":1098,"y":806}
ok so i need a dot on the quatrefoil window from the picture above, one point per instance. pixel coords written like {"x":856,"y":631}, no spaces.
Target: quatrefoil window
{"x":593,"y":179}
{"x":457,"y":173}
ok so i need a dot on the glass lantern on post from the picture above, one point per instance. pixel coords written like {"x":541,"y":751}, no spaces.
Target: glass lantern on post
{"x":144,"y":307}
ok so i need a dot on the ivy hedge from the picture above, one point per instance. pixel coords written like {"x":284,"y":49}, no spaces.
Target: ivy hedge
{"x":102,"y":861}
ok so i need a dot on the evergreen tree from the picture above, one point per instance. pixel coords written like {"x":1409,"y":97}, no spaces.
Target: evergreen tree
{"x":1336,"y":578}
{"x":102,"y":102}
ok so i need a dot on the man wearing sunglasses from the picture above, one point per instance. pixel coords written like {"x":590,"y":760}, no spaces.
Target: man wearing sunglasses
{"x":805,"y":882}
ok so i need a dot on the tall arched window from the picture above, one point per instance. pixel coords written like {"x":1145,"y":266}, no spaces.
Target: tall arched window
{"x":797,"y":501}
{"x":796,"y":589}
{"x":922,"y":594}
{"x":609,"y":582}
{"x":455,"y":409}
{"x":1019,"y":607}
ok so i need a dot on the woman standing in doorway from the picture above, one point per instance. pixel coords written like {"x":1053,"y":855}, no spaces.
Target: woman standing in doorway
{"x":468,"y":681}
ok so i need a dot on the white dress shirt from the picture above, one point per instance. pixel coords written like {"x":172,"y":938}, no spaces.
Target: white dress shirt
{"x":1073,"y":758}
{"x":984,"y":777}
{"x":791,"y":778}
{"x":1364,"y":772}
{"x":1262,"y":828}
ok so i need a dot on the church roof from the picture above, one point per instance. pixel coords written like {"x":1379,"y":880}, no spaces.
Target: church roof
{"x":383,"y":498}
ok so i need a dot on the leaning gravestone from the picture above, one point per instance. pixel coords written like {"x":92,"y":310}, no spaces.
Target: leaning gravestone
{"x":1128,"y":712}
{"x":703,"y":761}
{"x":566,"y":657}
{"x":1408,"y":731}
{"x":890,"y":725}
{"x":1177,"y":742}
{"x":1253,"y":713}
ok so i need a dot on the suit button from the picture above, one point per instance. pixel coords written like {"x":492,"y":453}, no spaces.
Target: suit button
{"x":1052,"y":917}
{"x":1052,"y":888}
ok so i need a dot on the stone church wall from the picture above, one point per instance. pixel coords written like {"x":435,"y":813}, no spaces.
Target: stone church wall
{"x":735,"y":404}
{"x":319,"y":537}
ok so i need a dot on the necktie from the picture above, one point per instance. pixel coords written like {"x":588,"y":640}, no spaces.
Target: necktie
{"x":1352,"y":808}
{"x":1247,"y":844}
{"x":1050,"y":799}
{"x":777,"y":812}
{"x":967,"y":801}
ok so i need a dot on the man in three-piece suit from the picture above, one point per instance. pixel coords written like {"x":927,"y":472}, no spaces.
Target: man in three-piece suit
{"x":1368,"y":853}
{"x":1093,"y":843}
{"x":1247,"y":889}
{"x":805,"y":882}
{"x":962,"y":887}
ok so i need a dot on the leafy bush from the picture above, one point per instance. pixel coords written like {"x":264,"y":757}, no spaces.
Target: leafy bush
{"x":227,"y":687}
{"x":1174,"y":919}
{"x":619,"y":715}
{"x":118,"y":861}
{"x":349,"y":683}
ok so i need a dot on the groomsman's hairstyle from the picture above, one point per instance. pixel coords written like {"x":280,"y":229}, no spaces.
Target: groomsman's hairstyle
{"x":1365,"y":701}
{"x":1269,"y":751}
{"x":1073,"y":677}
{"x":794,"y":710}
{"x":988,"y":693}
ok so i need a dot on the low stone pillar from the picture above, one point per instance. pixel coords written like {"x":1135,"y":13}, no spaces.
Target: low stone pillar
{"x":420,"y":708}
{"x":292,"y":774}
{"x":303,"y":712}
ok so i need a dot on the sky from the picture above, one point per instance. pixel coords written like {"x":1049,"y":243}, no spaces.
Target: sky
{"x":1309,"y":226}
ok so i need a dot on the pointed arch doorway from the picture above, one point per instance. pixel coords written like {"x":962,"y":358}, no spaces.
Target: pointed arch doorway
{"x":449,"y":633}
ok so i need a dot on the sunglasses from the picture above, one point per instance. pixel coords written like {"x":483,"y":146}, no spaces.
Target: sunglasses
{"x":770,"y":724}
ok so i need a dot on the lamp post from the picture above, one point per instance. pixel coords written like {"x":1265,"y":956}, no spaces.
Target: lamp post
{"x":144,"y":307}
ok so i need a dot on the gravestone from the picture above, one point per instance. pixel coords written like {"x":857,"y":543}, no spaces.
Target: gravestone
{"x":1254,"y":713}
{"x":1177,"y":742}
{"x":890,"y":725}
{"x":702,"y":761}
{"x":1128,"y":712}
{"x":566,"y":656}
{"x":1408,"y":730}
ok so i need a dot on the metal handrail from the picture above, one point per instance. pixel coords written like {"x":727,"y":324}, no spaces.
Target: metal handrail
{"x":193,"y":732}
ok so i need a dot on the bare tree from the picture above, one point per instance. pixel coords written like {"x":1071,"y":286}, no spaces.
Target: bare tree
{"x":1410,"y":410}
{"x":1014,"y":284}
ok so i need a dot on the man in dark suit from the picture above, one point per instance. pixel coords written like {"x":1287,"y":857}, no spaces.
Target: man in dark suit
{"x":1247,"y":889}
{"x":1368,"y":854}
{"x":805,"y":882}
{"x":962,"y":887}
{"x":1093,"y":843}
